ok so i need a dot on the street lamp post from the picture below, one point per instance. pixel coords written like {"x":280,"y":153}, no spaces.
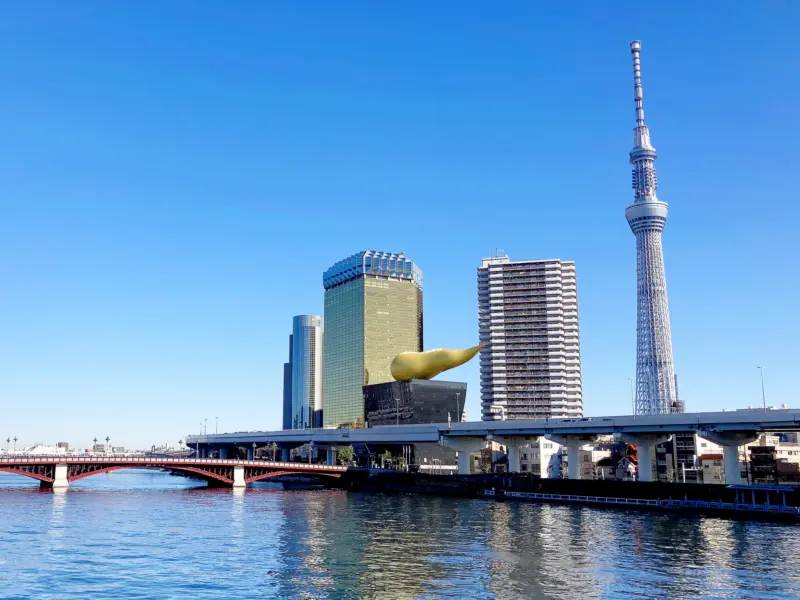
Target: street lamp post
{"x":254,"y":450}
{"x":633,"y":397}
{"x":763,"y":394}
{"x":15,"y":444}
{"x":108,"y":446}
{"x":205,"y":426}
{"x":216,"y":425}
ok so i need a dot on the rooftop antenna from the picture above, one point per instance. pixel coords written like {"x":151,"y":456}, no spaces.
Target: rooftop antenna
{"x":638,"y":94}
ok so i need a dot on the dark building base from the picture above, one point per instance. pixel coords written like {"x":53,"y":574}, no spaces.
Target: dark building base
{"x":414,"y":402}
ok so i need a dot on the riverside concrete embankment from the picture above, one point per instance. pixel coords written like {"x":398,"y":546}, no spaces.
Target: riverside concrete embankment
{"x":747,"y":501}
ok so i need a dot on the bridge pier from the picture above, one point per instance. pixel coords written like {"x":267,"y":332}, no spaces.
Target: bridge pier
{"x":644,"y":444}
{"x":465,"y":447}
{"x":60,"y":478}
{"x":730,"y":442}
{"x":238,"y":477}
{"x":61,"y":473}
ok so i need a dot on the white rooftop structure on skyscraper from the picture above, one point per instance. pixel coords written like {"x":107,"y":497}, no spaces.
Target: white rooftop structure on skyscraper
{"x":528,"y":325}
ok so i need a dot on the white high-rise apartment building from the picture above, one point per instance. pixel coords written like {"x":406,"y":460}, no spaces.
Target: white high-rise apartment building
{"x":528,"y":325}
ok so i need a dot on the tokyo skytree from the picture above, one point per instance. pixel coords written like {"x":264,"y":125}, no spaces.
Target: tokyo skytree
{"x":655,"y":372}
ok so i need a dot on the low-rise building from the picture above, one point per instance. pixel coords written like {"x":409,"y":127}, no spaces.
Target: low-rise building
{"x":627,"y":468}
{"x":541,"y":458}
{"x":590,"y":456}
{"x":712,"y":468}
{"x":607,"y":468}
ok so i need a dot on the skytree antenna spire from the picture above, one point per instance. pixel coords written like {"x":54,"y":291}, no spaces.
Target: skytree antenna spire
{"x":655,"y":371}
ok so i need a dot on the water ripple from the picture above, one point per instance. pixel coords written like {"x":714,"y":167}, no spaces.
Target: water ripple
{"x":137,"y":535}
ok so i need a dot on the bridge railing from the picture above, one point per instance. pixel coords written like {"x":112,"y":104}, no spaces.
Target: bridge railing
{"x":144,"y":460}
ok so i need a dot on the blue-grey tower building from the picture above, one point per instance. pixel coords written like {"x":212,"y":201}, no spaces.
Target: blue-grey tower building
{"x":655,"y":371}
{"x":307,"y":340}
{"x":287,"y":389}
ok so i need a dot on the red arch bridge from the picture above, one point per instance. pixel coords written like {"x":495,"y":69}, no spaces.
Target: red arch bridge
{"x":60,"y":471}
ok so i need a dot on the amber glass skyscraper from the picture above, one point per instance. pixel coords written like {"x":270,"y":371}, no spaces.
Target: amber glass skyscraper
{"x":373,"y":312}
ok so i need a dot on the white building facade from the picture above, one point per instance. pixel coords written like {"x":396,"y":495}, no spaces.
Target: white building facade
{"x":528,"y":326}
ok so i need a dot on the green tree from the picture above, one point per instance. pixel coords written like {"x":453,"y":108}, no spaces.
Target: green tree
{"x":344,"y":455}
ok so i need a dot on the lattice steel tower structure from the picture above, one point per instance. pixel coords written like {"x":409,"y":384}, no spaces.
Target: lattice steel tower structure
{"x":655,"y":372}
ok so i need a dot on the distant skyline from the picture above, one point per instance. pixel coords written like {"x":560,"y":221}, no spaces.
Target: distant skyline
{"x":177,"y":177}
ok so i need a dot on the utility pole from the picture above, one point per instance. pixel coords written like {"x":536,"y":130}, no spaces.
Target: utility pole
{"x":633,"y":397}
{"x":763,"y":394}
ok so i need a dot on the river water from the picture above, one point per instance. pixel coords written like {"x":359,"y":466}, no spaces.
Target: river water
{"x":148,"y":535}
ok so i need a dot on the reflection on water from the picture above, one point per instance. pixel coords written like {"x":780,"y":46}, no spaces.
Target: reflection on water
{"x":149,"y":535}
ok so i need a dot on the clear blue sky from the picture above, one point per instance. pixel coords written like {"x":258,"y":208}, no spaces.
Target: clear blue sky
{"x":175,"y":176}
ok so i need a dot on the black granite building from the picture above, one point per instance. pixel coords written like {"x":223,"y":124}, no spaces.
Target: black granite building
{"x":415,"y":402}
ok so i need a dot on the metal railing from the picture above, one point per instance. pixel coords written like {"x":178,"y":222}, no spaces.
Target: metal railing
{"x":669,"y":504}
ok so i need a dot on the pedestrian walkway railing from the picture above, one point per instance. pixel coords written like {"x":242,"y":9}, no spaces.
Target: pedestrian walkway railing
{"x":659,"y":503}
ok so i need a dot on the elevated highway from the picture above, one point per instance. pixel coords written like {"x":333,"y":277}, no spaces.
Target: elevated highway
{"x":728,"y":429}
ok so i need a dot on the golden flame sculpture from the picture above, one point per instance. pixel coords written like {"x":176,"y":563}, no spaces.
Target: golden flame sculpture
{"x":427,"y":365}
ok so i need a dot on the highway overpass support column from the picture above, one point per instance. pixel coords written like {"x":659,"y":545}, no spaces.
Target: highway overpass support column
{"x":644,"y":442}
{"x":465,"y":447}
{"x":285,"y":454}
{"x":730,"y":442}
{"x":223,"y":453}
{"x":238,"y":477}
{"x":573,"y":444}
{"x":331,"y":455}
